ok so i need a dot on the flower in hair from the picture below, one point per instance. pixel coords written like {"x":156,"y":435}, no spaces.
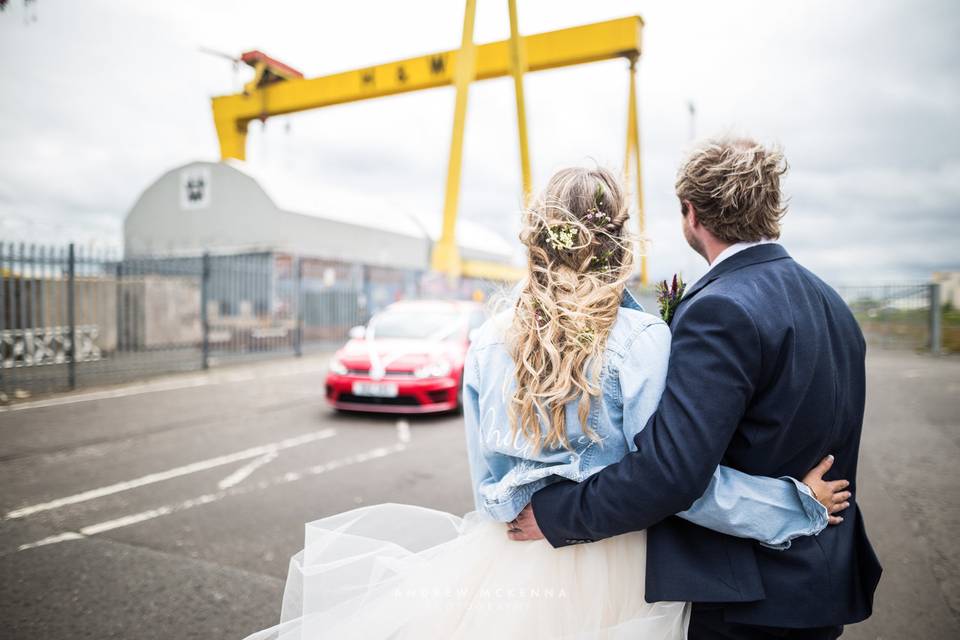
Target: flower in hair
{"x":597,"y":216}
{"x":539,"y":314}
{"x":561,"y":237}
{"x":586,"y":337}
{"x":601,"y":261}
{"x":595,"y":213}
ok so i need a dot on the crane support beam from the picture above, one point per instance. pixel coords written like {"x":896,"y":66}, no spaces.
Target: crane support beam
{"x":518,"y":66}
{"x":633,"y":154}
{"x":550,"y":50}
{"x":491,"y":271}
{"x":446,"y":254}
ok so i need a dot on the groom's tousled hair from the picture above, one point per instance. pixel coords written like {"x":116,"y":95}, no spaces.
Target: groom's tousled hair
{"x":734,"y":185}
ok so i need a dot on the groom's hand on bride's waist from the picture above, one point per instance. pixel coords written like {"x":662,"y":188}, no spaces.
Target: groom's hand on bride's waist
{"x":524,"y":526}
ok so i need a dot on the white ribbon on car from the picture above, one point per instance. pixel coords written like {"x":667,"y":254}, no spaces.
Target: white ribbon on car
{"x":378,"y":366}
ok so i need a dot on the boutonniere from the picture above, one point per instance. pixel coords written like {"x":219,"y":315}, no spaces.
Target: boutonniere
{"x":669,"y":295}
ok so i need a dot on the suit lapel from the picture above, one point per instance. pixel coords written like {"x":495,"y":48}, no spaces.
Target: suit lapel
{"x":753,"y":255}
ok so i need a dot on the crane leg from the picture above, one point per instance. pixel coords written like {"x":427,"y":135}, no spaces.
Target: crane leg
{"x":446,"y":255}
{"x":633,"y":154}
{"x":518,"y":66}
{"x":232,"y":135}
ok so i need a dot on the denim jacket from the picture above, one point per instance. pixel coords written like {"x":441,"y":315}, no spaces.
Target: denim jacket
{"x":505,"y":471}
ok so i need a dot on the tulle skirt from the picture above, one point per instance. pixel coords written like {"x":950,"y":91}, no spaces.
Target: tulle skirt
{"x":400,"y":571}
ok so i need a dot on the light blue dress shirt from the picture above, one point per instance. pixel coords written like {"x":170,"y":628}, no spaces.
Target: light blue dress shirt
{"x":506,"y":471}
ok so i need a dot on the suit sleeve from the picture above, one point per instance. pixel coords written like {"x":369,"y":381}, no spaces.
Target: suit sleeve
{"x":713,"y":370}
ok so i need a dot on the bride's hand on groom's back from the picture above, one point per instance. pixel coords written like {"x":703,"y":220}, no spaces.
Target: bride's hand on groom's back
{"x":830,"y":493}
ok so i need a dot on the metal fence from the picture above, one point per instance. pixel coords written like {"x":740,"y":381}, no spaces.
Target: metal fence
{"x":71,"y":318}
{"x":907,"y":316}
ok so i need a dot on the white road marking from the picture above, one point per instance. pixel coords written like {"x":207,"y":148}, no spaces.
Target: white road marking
{"x":208,"y":498}
{"x":202,"y":465}
{"x":60,"y":537}
{"x":244,"y":472}
{"x":131,"y":390}
{"x":403,"y":431}
{"x":159,"y":385}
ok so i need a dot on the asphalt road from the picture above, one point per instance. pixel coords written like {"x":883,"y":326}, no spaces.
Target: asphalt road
{"x":170,"y":509}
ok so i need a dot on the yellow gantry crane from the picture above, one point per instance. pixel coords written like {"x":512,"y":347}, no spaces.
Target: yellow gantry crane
{"x":278,"y":89}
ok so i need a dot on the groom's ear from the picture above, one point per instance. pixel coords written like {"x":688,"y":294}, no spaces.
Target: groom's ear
{"x":689,"y":212}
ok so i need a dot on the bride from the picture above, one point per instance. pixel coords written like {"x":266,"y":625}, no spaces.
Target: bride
{"x":555,"y":386}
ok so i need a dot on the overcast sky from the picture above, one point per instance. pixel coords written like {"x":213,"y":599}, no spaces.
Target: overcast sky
{"x":100,"y":98}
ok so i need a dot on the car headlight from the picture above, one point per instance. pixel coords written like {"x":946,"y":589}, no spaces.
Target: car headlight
{"x":437,"y":369}
{"x":337,"y":367}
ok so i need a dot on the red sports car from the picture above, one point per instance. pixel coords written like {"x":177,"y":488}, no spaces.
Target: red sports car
{"x":408,"y":359}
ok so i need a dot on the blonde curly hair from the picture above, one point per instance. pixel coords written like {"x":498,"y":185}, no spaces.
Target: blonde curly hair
{"x":579,"y":259}
{"x":734,"y":185}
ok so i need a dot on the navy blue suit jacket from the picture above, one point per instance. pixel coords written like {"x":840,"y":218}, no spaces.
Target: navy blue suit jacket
{"x":766,"y":376}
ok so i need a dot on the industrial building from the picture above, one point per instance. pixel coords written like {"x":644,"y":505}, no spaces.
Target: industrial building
{"x":278,"y":249}
{"x":226,"y":207}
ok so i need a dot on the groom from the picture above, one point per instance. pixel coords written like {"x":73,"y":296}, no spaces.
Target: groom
{"x":767,"y":376}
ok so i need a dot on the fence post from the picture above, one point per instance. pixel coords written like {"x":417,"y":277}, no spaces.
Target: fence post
{"x":4,"y":325}
{"x":298,"y":308}
{"x":118,"y":294}
{"x":936,"y":312}
{"x":204,"y":319}
{"x":71,"y":316}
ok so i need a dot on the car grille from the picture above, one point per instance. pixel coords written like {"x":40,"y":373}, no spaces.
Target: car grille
{"x":439,"y":396}
{"x":405,"y":401}
{"x":388,"y":374}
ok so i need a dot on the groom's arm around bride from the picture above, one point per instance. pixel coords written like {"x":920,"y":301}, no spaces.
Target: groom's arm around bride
{"x":766,"y":375}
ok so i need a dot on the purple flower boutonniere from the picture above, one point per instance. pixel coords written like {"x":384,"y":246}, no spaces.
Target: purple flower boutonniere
{"x":669,"y":295}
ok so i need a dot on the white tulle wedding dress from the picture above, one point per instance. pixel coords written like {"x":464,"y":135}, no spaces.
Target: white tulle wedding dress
{"x":400,"y":571}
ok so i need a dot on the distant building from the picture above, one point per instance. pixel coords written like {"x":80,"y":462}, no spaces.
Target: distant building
{"x":357,"y":253}
{"x":949,"y":282}
{"x":226,"y":207}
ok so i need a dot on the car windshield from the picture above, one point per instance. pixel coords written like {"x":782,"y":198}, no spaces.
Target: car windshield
{"x":417,"y":325}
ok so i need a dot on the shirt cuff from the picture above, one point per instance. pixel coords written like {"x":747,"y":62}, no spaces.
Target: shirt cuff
{"x":509,"y":506}
{"x":816,"y":515}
